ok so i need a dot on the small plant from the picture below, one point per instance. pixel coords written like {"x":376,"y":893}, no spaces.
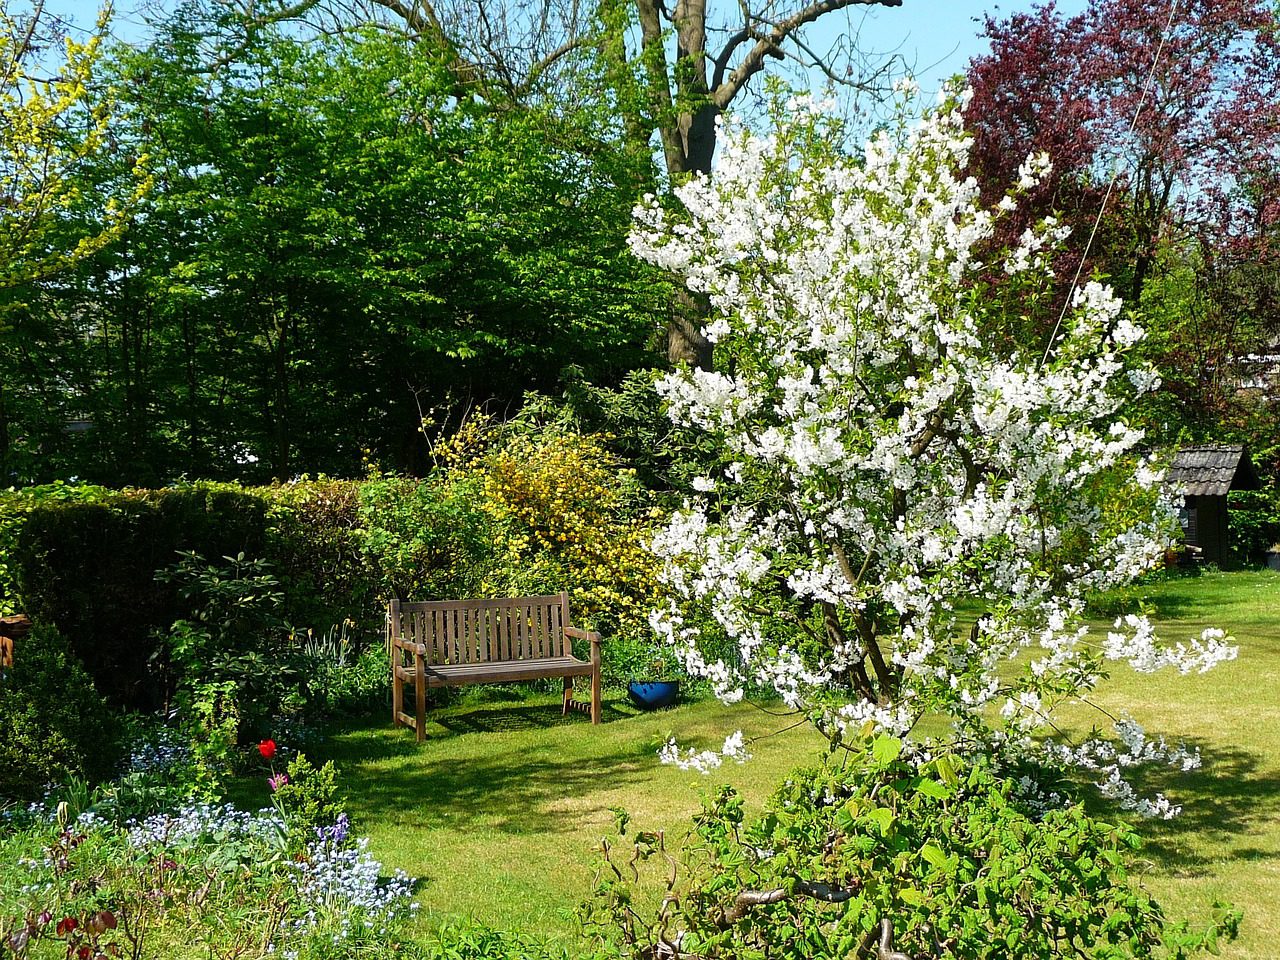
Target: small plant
{"x":231,"y":653}
{"x":306,"y":798}
{"x":55,"y":724}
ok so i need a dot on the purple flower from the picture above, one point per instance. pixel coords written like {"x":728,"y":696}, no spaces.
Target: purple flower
{"x":277,"y":780}
{"x":336,"y":834}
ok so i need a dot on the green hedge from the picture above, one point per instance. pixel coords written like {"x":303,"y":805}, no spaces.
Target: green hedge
{"x":55,"y":725}
{"x":89,"y":569}
{"x":84,"y":560}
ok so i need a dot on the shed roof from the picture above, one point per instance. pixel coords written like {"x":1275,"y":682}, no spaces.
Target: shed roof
{"x":1210,"y":470}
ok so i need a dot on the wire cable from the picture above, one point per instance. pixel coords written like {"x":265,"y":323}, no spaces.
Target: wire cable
{"x":1133,"y":126}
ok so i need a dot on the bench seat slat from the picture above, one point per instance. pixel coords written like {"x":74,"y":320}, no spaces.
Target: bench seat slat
{"x":457,"y":674}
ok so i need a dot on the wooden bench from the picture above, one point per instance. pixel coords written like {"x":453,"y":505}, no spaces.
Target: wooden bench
{"x":447,"y":643}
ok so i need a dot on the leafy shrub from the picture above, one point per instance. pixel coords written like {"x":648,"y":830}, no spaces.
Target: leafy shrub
{"x":1254,"y":518}
{"x":939,"y":850}
{"x":569,"y":516}
{"x":343,"y":677}
{"x":631,"y":422}
{"x":15,"y":505}
{"x":233,"y":640}
{"x":56,"y":726}
{"x":306,"y":798}
{"x":200,"y":881}
{"x":427,"y":538}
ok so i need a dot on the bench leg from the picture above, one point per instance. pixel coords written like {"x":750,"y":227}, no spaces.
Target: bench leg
{"x":595,"y":682}
{"x":397,"y":687}
{"x":568,"y":696}
{"x":420,"y":668}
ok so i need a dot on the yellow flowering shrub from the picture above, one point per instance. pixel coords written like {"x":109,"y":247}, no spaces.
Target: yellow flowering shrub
{"x":569,"y":516}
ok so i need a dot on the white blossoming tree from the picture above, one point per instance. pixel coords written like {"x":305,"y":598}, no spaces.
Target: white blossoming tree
{"x":913,"y":505}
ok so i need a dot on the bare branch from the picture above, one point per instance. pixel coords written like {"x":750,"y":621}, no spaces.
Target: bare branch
{"x":771,"y":45}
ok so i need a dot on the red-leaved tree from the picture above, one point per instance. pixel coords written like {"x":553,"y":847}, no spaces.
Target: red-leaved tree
{"x":1178,"y":101}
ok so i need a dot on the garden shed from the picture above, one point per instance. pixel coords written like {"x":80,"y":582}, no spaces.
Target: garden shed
{"x":1204,"y":475}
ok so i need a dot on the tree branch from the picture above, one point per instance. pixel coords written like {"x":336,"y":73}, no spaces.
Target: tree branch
{"x":769,"y":45}
{"x":746,"y":899}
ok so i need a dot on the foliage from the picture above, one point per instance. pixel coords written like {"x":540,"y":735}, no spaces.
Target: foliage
{"x":569,"y":516}
{"x":55,"y":120}
{"x":333,"y":245}
{"x":342,"y":679}
{"x":1254,"y":516}
{"x":427,"y":537}
{"x":910,"y":512}
{"x":314,"y":542}
{"x":875,"y":852}
{"x":1179,"y":103}
{"x":629,"y":421}
{"x":15,"y":504}
{"x":198,"y":881}
{"x":56,"y":726}
{"x":233,"y":639}
{"x":87,"y":564}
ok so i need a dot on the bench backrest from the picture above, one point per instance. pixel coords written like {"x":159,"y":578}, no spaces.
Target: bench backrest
{"x":482,"y":631}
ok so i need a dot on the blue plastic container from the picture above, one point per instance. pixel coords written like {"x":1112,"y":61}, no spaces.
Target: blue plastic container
{"x":652,"y":694}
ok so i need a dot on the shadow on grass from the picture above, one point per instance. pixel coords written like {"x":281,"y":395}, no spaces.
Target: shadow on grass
{"x":1225,"y":805}
{"x":537,"y":717}
{"x":541,"y":787}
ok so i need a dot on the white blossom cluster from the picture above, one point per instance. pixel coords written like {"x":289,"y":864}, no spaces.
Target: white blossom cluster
{"x":899,"y":457}
{"x":704,"y":761}
{"x":158,"y":751}
{"x":343,"y":877}
{"x":204,"y":821}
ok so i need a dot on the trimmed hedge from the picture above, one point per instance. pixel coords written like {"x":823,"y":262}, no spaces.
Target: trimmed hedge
{"x":89,"y":569}
{"x":84,"y":560}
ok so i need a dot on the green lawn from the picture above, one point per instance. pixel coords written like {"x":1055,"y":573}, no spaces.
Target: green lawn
{"x":500,"y":810}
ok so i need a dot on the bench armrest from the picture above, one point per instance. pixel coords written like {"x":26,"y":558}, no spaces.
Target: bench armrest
{"x":577,"y":633}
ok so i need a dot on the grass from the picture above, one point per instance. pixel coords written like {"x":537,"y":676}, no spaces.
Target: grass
{"x":501,"y":809}
{"x":1226,"y":843}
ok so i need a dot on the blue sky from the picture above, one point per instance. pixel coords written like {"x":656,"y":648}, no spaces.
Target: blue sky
{"x":935,"y":37}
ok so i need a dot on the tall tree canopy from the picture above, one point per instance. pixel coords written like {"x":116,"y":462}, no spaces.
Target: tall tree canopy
{"x":334,"y":244}
{"x":662,"y":73}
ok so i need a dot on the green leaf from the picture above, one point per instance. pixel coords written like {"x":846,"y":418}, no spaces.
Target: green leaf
{"x":882,"y":817}
{"x":935,"y":856}
{"x":932,"y":788}
{"x":911,"y":896}
{"x":886,"y":749}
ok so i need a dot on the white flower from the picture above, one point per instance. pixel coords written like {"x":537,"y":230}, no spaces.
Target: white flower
{"x":896,"y":454}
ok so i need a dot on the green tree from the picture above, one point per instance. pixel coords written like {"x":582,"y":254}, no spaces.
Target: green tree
{"x":334,"y":246}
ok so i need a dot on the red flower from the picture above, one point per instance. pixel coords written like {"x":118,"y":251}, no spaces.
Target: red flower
{"x":267,"y":748}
